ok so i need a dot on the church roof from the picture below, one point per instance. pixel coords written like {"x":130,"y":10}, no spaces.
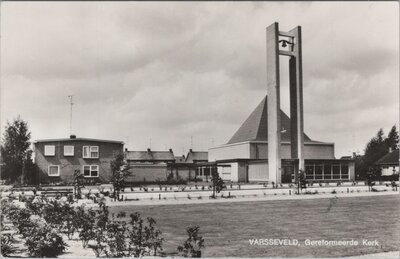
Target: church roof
{"x":255,"y":126}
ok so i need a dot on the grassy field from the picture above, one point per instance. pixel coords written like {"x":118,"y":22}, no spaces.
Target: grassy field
{"x":228,"y":227}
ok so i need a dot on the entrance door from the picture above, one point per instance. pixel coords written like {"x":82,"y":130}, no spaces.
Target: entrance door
{"x":287,"y":173}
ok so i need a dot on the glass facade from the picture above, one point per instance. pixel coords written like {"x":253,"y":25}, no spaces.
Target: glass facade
{"x":327,"y":170}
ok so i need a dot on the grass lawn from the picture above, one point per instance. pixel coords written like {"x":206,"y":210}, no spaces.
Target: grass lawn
{"x":227,"y":227}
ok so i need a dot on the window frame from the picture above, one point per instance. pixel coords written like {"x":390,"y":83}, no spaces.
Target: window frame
{"x":90,"y":151}
{"x":53,"y":175}
{"x":73,"y":150}
{"x":90,"y":171}
{"x":49,"y":146}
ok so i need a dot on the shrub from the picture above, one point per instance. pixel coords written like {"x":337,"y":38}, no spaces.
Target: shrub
{"x":116,"y":234}
{"x":7,"y":245}
{"x":36,"y":204}
{"x":85,"y":225}
{"x":194,"y":243}
{"x":44,"y":241}
{"x":143,"y":239}
{"x":20,"y":219}
{"x":153,"y":236}
{"x":100,"y":247}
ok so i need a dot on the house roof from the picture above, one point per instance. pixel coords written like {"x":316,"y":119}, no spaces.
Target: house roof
{"x":77,"y":139}
{"x":193,"y":156}
{"x":255,"y":127}
{"x":389,"y":159}
{"x":150,"y":155}
{"x":180,"y":159}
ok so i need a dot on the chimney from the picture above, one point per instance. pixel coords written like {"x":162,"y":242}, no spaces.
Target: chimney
{"x":149,"y":150}
{"x":126,"y":150}
{"x":190,"y":151}
{"x":170,"y":150}
{"x":72,"y":136}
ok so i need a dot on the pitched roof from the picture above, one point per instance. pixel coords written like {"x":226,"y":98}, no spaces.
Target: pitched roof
{"x":255,"y":127}
{"x":390,"y":158}
{"x":180,"y":159}
{"x":149,"y":155}
{"x":193,"y":156}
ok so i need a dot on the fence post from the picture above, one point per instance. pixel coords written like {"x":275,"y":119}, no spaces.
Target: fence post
{"x":159,"y":196}
{"x":347,"y":190}
{"x":290,"y":192}
{"x":229,"y":194}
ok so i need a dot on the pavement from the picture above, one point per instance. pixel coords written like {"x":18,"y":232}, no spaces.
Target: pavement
{"x":219,"y":199}
{"x":393,"y":254}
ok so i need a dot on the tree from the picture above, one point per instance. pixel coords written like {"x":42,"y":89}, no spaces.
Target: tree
{"x":392,"y":139}
{"x":14,"y":148}
{"x":301,"y":181}
{"x":194,"y":243}
{"x":217,"y":183}
{"x":78,"y":184}
{"x":120,"y":171}
{"x":375,"y":149}
{"x":30,"y":172}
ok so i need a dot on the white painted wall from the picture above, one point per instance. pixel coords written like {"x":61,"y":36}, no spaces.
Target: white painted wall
{"x":389,"y":170}
{"x":259,"y":150}
{"x":258,"y":171}
{"x":233,"y":151}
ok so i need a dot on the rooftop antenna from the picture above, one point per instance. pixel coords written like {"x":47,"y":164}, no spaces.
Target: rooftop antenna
{"x":191,"y":142}
{"x":70,"y":114}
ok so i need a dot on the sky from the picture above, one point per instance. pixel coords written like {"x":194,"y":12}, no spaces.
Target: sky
{"x":186,"y":75}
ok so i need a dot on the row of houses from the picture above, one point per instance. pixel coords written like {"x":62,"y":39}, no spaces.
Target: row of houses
{"x":244,"y":158}
{"x":58,"y":159}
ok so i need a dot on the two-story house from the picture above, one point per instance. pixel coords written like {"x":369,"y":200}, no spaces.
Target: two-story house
{"x":57,"y":159}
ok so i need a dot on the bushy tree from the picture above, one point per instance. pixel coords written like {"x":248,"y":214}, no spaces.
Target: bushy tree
{"x":217,"y":183}
{"x":193,"y":244}
{"x":30,"y":173}
{"x":392,"y":139}
{"x":14,"y":148}
{"x":120,"y":171}
{"x":78,"y":183}
{"x":376,"y":148}
{"x":153,"y":236}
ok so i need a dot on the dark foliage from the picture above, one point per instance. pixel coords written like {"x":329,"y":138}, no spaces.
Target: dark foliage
{"x":14,"y":149}
{"x":193,"y":244}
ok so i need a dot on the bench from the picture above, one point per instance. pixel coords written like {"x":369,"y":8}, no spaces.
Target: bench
{"x":55,"y":192}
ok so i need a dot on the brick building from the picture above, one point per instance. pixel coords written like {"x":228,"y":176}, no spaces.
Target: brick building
{"x":57,"y":159}
{"x":149,"y":166}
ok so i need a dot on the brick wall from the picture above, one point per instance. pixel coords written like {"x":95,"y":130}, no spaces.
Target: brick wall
{"x":68,"y":164}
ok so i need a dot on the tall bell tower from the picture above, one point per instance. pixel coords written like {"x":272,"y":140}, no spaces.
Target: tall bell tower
{"x":286,"y":44}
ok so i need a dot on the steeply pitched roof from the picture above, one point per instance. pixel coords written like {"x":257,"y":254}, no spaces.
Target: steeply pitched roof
{"x":194,"y":156}
{"x":255,"y":127}
{"x":150,"y":156}
{"x":390,"y":158}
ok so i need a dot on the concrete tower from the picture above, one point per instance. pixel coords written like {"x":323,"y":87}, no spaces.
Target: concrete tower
{"x":290,"y":46}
